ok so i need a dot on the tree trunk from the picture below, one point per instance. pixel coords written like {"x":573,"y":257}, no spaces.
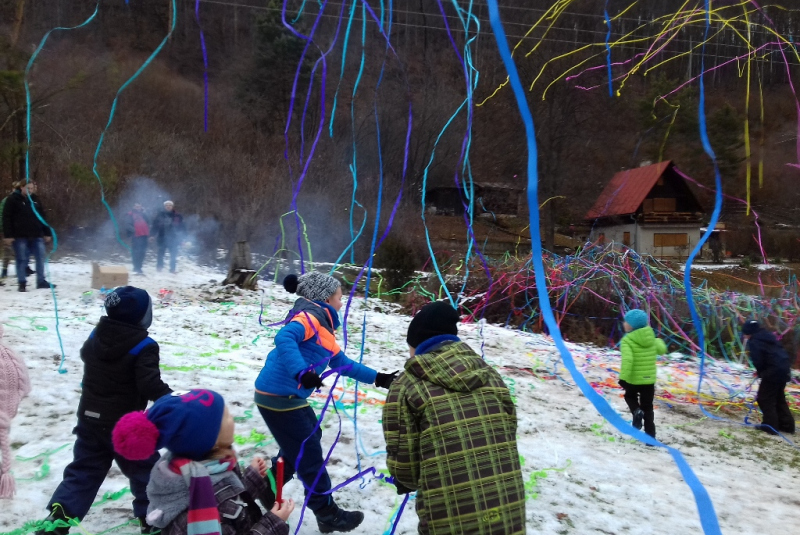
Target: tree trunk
{"x":241,"y":273}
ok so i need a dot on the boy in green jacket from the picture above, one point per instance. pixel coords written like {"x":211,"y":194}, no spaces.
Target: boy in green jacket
{"x":637,"y":374}
{"x":451,"y":434}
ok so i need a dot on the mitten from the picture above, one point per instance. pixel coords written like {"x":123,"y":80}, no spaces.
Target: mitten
{"x":310,"y":380}
{"x":385,"y":380}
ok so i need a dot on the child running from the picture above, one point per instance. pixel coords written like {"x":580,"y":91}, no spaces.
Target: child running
{"x":304,"y":348}
{"x":120,"y":374}
{"x":637,"y":373}
{"x":198,"y":487}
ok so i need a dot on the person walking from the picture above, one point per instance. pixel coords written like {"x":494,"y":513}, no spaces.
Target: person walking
{"x":773,"y":366}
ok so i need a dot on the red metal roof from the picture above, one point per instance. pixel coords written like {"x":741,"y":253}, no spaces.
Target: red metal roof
{"x":627,"y":190}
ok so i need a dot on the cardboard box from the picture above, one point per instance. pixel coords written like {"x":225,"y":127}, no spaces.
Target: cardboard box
{"x":108,"y":277}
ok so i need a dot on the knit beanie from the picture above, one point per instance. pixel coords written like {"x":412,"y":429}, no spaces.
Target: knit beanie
{"x":637,"y":318}
{"x":314,"y":286}
{"x":14,"y":385}
{"x":186,"y":423}
{"x":129,"y":304}
{"x":750,"y":327}
{"x":432,"y":320}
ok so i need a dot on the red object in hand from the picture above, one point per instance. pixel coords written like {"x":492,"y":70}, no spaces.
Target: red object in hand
{"x":279,"y":482}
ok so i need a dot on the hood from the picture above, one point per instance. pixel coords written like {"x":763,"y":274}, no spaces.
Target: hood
{"x":111,"y":339}
{"x":453,"y":365}
{"x":325,"y":313}
{"x":765,"y":337}
{"x":644,"y":337}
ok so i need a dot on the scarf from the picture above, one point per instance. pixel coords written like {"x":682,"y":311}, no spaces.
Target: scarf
{"x":177,"y":484}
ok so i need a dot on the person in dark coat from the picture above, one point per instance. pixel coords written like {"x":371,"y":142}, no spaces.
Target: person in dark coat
{"x":168,"y":230}
{"x":773,"y":366}
{"x":24,"y":229}
{"x":138,"y":230}
{"x":120,"y":374}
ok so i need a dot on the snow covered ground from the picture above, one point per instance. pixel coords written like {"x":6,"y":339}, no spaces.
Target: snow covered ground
{"x":581,"y":475}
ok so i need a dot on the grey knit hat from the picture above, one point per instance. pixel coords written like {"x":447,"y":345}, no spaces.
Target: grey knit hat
{"x":314,"y":286}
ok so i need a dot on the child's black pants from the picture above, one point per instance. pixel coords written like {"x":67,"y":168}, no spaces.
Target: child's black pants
{"x":641,"y":397}
{"x":772,"y":402}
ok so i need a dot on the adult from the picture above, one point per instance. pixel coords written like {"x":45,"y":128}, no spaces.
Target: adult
{"x":168,"y":230}
{"x":24,"y":228}
{"x":773,"y":366}
{"x":138,"y":230}
{"x":7,"y":252}
{"x":451,"y":434}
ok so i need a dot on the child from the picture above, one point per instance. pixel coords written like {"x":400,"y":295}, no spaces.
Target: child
{"x":120,"y":374}
{"x":304,"y":348}
{"x":773,"y":366}
{"x":198,"y":486}
{"x":450,"y":427}
{"x":14,"y":385}
{"x":637,"y":373}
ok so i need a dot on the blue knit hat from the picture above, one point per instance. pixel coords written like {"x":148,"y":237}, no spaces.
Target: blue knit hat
{"x":637,"y":318}
{"x":186,"y":423}
{"x":129,"y":304}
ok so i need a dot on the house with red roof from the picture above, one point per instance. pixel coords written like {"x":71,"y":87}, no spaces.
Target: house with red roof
{"x":651,"y":210}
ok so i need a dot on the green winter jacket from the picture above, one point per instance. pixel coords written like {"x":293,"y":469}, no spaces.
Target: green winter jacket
{"x":639,"y":351}
{"x":450,"y":428}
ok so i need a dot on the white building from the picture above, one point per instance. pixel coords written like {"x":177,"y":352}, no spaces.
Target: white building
{"x":650,"y":209}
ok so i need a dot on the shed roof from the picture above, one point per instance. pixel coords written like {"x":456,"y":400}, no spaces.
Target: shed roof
{"x":627,"y":190}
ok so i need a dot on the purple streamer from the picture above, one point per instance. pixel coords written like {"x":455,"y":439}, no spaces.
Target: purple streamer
{"x":205,"y":65}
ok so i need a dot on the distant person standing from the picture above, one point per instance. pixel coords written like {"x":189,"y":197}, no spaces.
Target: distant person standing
{"x":23,"y":229}
{"x":138,"y":230}
{"x":168,"y":230}
{"x":4,"y":247}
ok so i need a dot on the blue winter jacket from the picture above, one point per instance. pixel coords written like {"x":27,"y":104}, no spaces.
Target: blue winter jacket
{"x":307,"y":340}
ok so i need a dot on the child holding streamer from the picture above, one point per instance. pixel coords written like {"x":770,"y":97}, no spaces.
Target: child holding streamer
{"x":304,"y":348}
{"x":637,"y":373}
{"x":198,"y":487}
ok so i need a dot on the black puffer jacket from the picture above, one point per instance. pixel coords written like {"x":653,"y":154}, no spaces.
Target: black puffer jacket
{"x":115,"y":380}
{"x":19,"y":219}
{"x":770,"y":360}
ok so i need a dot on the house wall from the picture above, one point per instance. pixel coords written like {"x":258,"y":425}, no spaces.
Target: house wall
{"x":642,"y":238}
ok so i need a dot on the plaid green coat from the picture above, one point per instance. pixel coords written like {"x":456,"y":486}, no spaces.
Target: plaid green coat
{"x":450,"y":427}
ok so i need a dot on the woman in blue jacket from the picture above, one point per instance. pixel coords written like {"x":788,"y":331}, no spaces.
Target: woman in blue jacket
{"x":304,"y":348}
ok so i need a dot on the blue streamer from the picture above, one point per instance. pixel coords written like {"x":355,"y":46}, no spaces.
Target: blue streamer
{"x":608,"y":51}
{"x":708,"y":517}
{"x":28,"y":68}
{"x":124,"y":86}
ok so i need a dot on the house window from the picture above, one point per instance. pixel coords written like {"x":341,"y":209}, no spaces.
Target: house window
{"x":670,"y":240}
{"x":626,"y":239}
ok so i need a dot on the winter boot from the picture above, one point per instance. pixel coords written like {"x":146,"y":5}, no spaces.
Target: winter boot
{"x":57,"y":514}
{"x":638,"y":418}
{"x":44,"y":284}
{"x":147,"y":529}
{"x":331,"y":518}
{"x":22,"y":286}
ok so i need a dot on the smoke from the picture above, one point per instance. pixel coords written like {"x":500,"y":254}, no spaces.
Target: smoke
{"x":102,"y":243}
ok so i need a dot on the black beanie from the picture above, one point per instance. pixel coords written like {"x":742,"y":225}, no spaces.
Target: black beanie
{"x":432,"y":320}
{"x":750,"y":327}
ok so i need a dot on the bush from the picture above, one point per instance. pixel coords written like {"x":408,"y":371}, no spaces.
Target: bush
{"x":398,"y":261}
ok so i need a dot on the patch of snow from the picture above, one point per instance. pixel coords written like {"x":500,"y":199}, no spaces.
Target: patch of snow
{"x":211,"y":337}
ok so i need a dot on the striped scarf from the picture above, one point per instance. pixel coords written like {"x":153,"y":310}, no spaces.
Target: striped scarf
{"x":203,"y":517}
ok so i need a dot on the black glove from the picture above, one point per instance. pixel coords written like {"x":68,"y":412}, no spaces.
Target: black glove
{"x":401,"y":489}
{"x":385,"y":380}
{"x":310,"y":380}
